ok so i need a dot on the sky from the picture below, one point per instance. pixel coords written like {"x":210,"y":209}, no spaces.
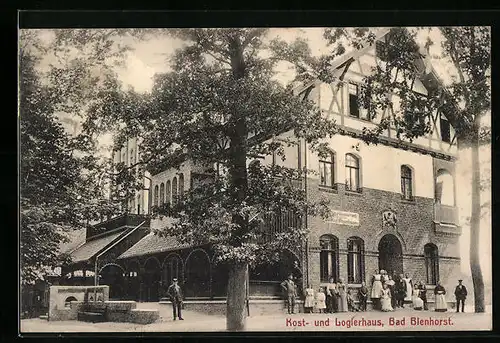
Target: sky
{"x":150,"y":57}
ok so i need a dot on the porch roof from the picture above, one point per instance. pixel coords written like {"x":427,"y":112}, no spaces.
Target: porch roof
{"x":151,"y":244}
{"x":92,"y":247}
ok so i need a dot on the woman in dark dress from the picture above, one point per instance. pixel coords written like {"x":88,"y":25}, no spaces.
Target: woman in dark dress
{"x":423,"y":294}
{"x":331,"y":296}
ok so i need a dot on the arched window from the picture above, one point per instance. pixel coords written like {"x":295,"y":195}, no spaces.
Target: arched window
{"x":168,"y":193}
{"x":431,"y":263}
{"x":327,"y":170}
{"x":162,"y":194}
{"x":445,"y":189}
{"x":352,"y":173}
{"x":329,"y":258}
{"x":174,"y":190}
{"x":355,"y":260}
{"x":181,"y":186}
{"x":172,"y":268}
{"x":156,"y":196}
{"x":406,"y":183}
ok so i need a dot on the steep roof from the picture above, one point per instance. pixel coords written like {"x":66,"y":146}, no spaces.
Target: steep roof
{"x":151,"y":244}
{"x":92,"y":247}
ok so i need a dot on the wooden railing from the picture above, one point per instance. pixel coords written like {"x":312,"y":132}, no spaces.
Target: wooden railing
{"x":274,"y":223}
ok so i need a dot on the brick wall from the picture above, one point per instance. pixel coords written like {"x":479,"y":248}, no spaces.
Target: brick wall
{"x":414,"y":229}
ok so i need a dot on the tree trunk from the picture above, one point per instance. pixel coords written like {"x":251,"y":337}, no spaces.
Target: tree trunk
{"x":236,"y":298}
{"x":475,"y":263}
{"x":236,"y":294}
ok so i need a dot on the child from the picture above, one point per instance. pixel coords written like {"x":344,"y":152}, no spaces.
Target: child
{"x":320,"y":301}
{"x":309,"y":300}
{"x":363,"y":296}
{"x":350,"y":302}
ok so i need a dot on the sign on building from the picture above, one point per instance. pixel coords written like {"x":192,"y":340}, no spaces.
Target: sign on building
{"x":344,"y":218}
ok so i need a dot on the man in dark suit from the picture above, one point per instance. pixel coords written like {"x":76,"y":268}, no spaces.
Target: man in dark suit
{"x":175,"y":294}
{"x":400,"y":290}
{"x":291,"y":293}
{"x":460,"y":295}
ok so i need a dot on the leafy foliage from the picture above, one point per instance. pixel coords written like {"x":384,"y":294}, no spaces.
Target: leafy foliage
{"x":60,"y":187}
{"x":219,"y":92}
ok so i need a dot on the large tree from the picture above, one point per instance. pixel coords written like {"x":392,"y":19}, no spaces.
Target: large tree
{"x":221,"y":91}
{"x":219,"y":106}
{"x":59,"y":188}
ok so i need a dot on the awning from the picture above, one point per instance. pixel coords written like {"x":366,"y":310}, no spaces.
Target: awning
{"x":151,"y":244}
{"x":91,"y":248}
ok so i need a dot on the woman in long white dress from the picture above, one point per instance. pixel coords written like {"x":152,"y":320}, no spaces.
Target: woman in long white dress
{"x":385,"y":300}
{"x":440,"y":293}
{"x":342,"y":299}
{"x":376,"y":289}
{"x":390,"y":284}
{"x":309,"y":300}
{"x":409,"y":287}
{"x":418,"y":303}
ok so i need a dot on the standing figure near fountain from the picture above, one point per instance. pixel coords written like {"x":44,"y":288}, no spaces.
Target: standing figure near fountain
{"x":175,"y":294}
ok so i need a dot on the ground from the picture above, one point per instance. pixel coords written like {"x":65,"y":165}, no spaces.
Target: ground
{"x":200,"y":322}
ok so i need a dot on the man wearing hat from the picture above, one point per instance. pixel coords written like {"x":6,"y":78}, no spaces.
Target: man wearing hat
{"x":291,"y":293}
{"x":460,"y":295}
{"x":175,"y":293}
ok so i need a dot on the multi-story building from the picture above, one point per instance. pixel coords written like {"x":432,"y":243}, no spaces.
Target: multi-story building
{"x":94,"y":260}
{"x":393,"y":204}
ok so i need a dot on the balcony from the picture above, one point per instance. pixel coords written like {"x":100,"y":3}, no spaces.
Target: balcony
{"x":122,"y":221}
{"x":446,"y":220}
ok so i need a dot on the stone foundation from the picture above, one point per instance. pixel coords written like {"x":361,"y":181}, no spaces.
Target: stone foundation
{"x":64,"y":300}
{"x":218,"y":307}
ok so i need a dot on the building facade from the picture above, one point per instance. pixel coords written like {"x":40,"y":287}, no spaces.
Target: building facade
{"x":129,"y":156}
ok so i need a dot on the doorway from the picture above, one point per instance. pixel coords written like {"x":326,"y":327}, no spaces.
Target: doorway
{"x":390,"y":255}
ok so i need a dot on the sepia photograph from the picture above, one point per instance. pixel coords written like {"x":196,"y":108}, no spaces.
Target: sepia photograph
{"x":278,"y":179}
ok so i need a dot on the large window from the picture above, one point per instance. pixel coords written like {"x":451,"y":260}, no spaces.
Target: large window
{"x":156,"y":196}
{"x":406,"y":183}
{"x":353,"y":100}
{"x":181,"y":186}
{"x":327,"y":170}
{"x":329,"y":258}
{"x":431,"y":263}
{"x":355,"y":260}
{"x":172,"y":268}
{"x":444,"y":188}
{"x":162,"y":194}
{"x":168,"y":192}
{"x":352,"y":173}
{"x":174,"y":190}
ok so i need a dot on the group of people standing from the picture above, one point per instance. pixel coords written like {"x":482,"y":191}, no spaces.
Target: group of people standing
{"x":390,"y":291}
{"x":334,"y":297}
{"x":387,"y":293}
